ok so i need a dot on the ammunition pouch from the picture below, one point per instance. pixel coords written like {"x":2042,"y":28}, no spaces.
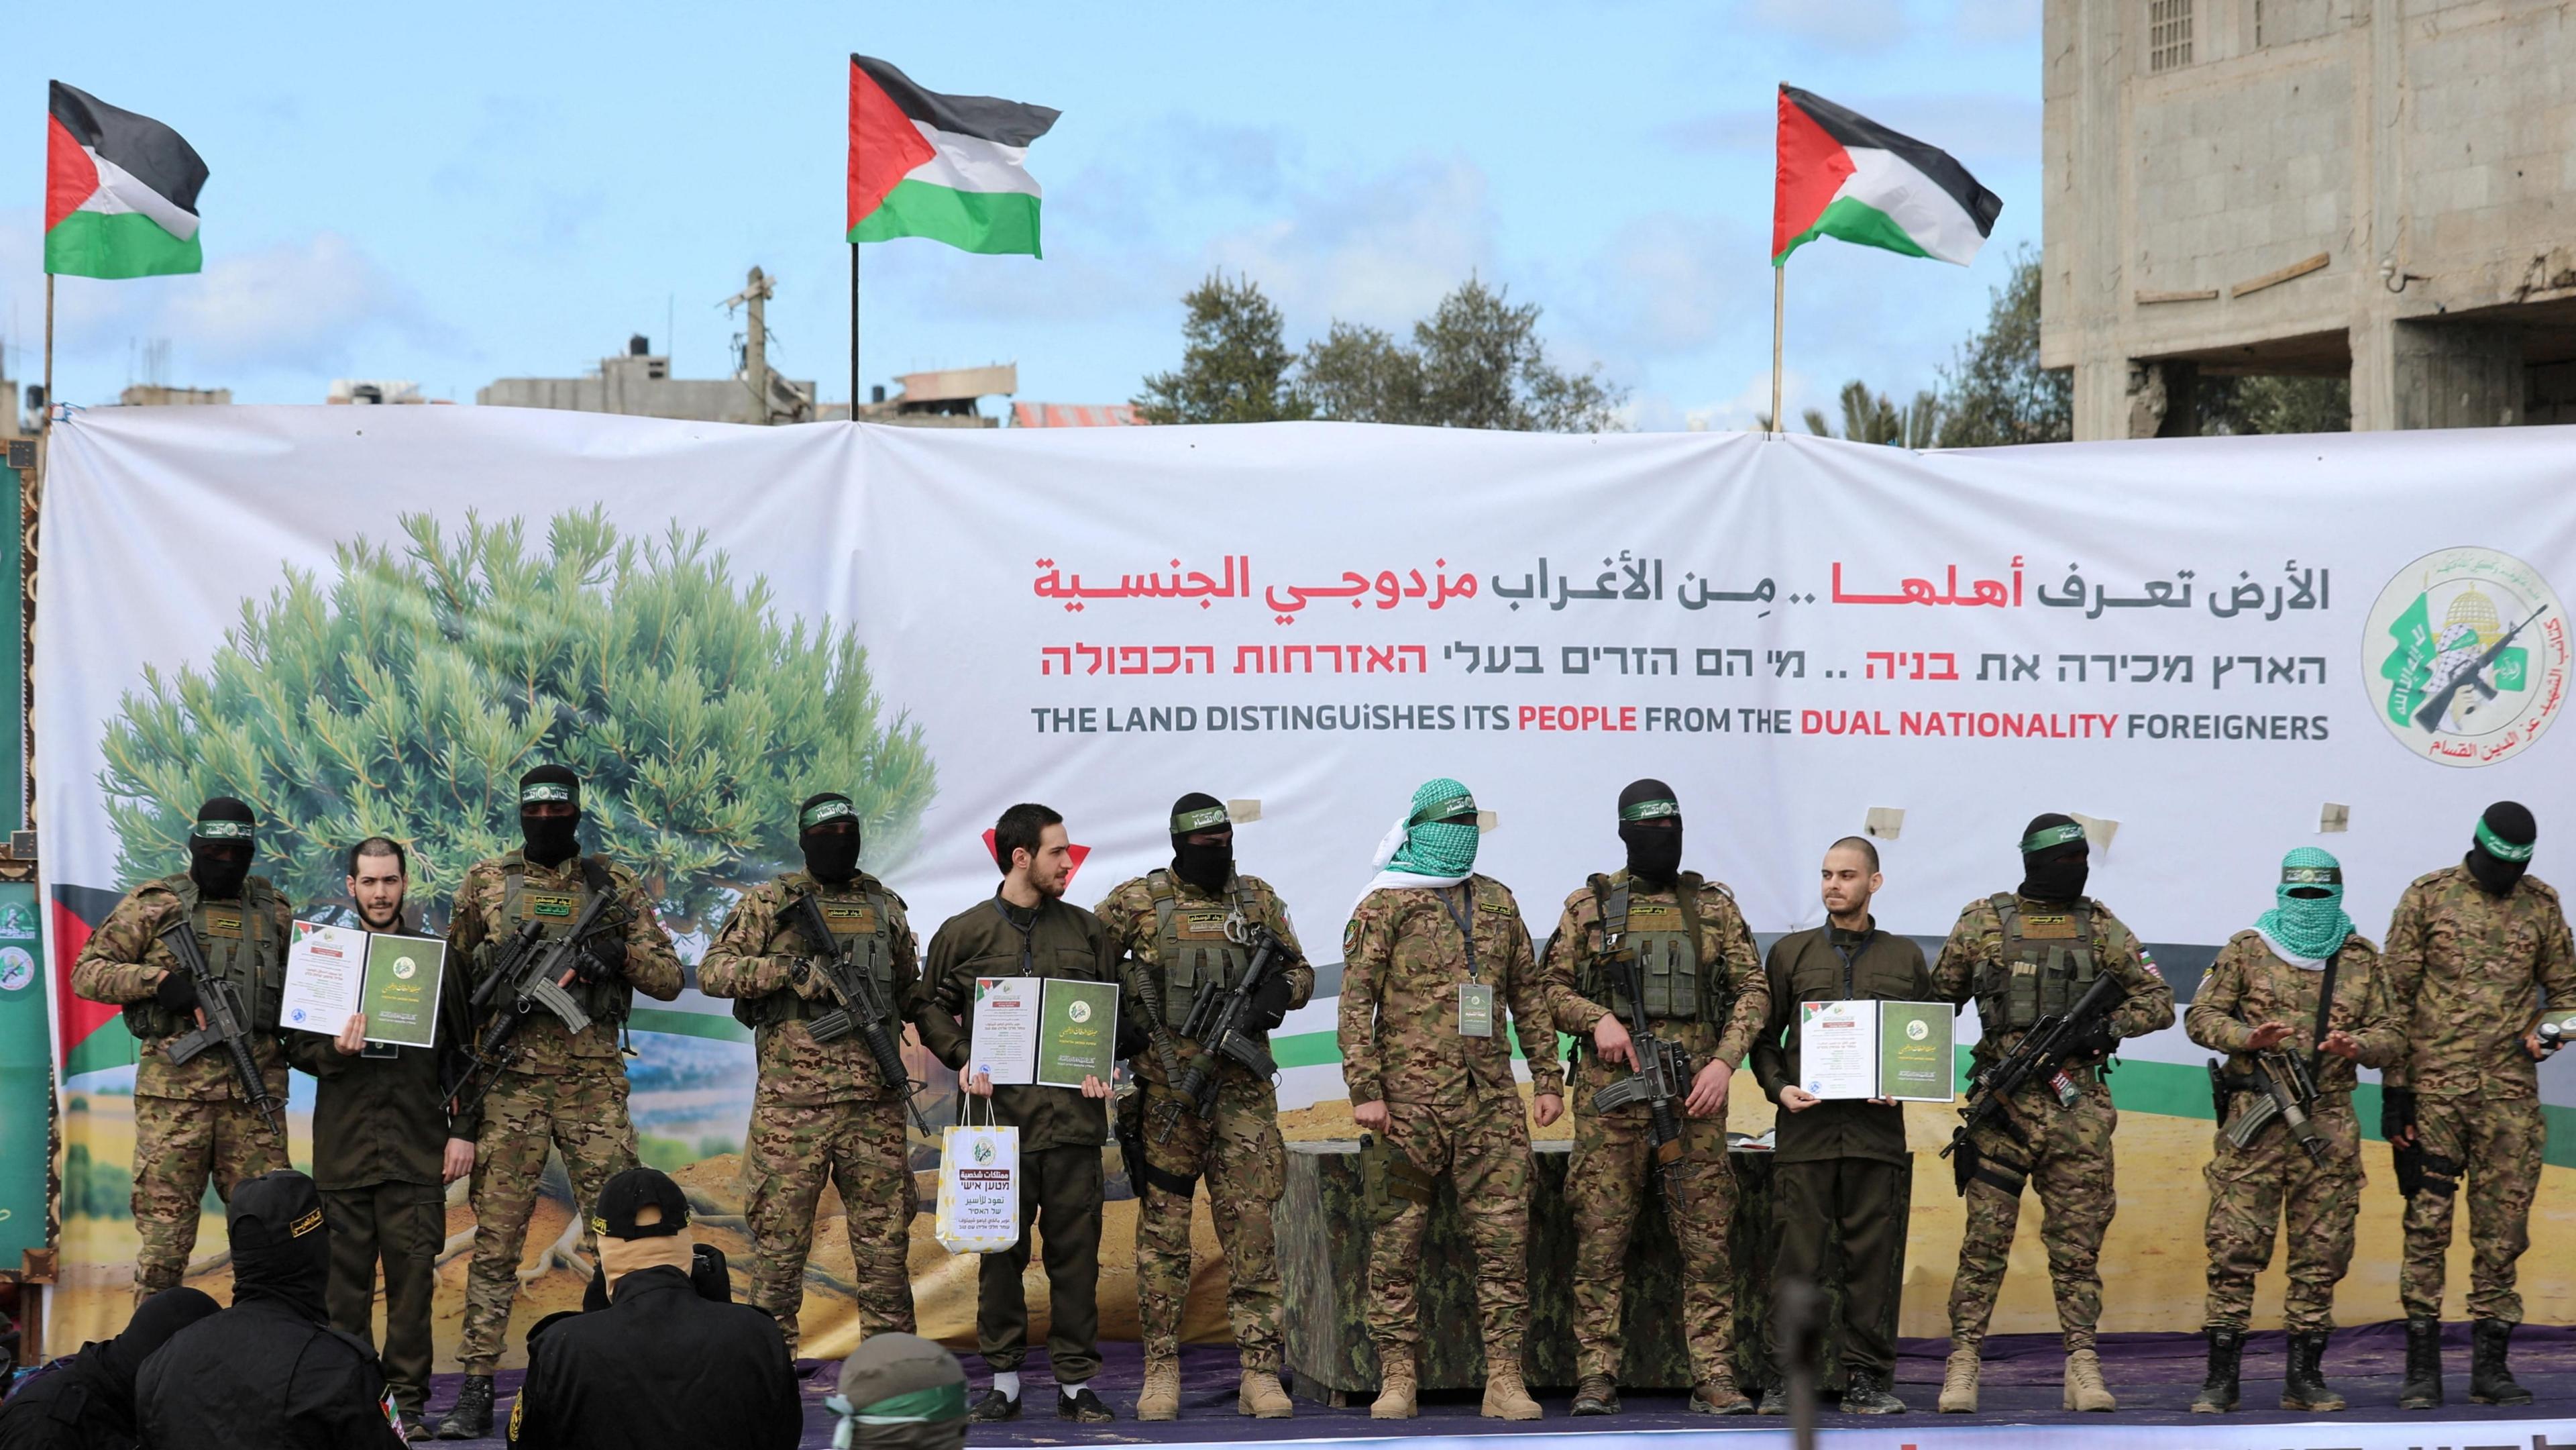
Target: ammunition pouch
{"x":1141,"y":1172}
{"x":1970,"y":1166}
{"x":2436,"y":1174}
{"x":1390,"y":1180}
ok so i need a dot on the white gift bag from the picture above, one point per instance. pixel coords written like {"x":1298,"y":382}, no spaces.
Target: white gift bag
{"x":979,"y":1187}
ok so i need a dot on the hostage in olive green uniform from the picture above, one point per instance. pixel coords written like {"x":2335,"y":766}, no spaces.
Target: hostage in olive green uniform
{"x":1704,"y":993}
{"x":1839,"y":1168}
{"x":1186,"y":932}
{"x":2473,"y":952}
{"x":2264,"y":994}
{"x":193,"y":1121}
{"x":560,"y":1089}
{"x":2023,"y":957}
{"x":824,"y":1110}
{"x":1026,"y":929}
{"x":383,"y":1148}
{"x":1431,"y":956}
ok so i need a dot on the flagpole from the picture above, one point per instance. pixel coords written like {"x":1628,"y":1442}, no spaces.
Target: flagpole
{"x":1779,"y":309}
{"x":854,"y":332}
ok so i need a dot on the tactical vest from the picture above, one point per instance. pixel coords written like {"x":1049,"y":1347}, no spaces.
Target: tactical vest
{"x":555,"y":910}
{"x":862,"y":923}
{"x":2045,"y":967}
{"x":239,"y":945}
{"x":1663,"y":939}
{"x":1190,"y":937}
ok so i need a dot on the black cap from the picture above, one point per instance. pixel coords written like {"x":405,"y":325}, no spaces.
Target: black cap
{"x":271,"y":1210}
{"x":630,"y":1193}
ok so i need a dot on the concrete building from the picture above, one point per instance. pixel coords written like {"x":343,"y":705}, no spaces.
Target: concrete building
{"x":639,"y":384}
{"x":2379,"y":188}
{"x":162,"y":395}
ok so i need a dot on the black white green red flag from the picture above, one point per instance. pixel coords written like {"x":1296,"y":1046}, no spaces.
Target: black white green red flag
{"x":1844,"y":175}
{"x":120,"y":191}
{"x":950,"y":168}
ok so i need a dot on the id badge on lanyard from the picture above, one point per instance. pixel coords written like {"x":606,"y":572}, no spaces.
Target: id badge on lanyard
{"x":1475,"y":999}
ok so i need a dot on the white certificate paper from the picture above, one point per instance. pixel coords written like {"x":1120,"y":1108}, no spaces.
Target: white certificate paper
{"x":326,"y":970}
{"x":1005,"y":1042}
{"x":1838,"y":1049}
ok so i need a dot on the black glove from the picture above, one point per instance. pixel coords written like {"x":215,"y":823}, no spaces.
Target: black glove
{"x":707,"y":1274}
{"x":2396,"y":1112}
{"x":177,"y":993}
{"x":601,"y":959}
{"x":2097,"y":1043}
{"x":1133,"y":1037}
{"x":1270,"y":1002}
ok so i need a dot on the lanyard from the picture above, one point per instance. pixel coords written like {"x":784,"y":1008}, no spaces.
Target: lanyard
{"x":1465,"y":931}
{"x":1028,"y":934}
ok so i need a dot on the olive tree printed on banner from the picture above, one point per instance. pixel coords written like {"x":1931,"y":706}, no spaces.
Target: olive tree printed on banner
{"x":407,"y":696}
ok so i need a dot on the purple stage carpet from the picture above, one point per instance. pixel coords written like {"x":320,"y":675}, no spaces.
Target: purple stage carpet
{"x":2153,"y":1374}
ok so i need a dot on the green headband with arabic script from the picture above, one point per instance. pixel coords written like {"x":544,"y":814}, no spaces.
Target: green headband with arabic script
{"x":540,"y":792}
{"x":825,"y":810}
{"x":1650,"y":810}
{"x":2500,"y":848}
{"x":2047,"y":836}
{"x":1205,"y":818}
{"x":1460,"y":808}
{"x":913,"y":1407}
{"x":220,"y":830}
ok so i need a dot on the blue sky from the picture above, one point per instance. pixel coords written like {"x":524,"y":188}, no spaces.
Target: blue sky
{"x":456,"y":193}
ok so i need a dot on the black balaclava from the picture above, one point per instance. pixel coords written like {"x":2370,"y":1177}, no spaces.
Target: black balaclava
{"x":1206,"y":867}
{"x":280,"y":1248}
{"x":155,"y":1319}
{"x":219,"y":848}
{"x":2500,"y":849}
{"x":549,"y":840}
{"x":2054,"y":858}
{"x":1654,"y":851}
{"x":831,"y":856}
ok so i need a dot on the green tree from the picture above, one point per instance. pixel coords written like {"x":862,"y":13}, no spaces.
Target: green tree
{"x":1234,"y":367}
{"x":1869,"y":417}
{"x":1995,"y":392}
{"x":2272,"y":403}
{"x":1476,"y":362}
{"x":407,"y":696}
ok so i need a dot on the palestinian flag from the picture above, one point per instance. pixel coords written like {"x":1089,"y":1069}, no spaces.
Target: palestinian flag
{"x":1844,"y":175}
{"x":950,"y":168}
{"x":120,"y":191}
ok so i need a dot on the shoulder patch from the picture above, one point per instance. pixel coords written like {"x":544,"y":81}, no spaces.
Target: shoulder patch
{"x":2147,"y":959}
{"x":1350,"y":935}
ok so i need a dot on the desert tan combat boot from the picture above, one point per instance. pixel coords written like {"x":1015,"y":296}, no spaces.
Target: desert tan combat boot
{"x":1959,"y":1383}
{"x":1505,"y":1398}
{"x":1162,"y":1397}
{"x":2084,"y":1387}
{"x":1262,"y":1397}
{"x":1395,"y":1390}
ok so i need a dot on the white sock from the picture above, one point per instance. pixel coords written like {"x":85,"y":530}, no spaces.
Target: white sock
{"x":1008,"y":1382}
{"x":1067,"y":1389}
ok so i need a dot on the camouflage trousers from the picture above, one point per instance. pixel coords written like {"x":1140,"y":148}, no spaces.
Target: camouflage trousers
{"x":179,"y":1144}
{"x":580,"y":1113}
{"x":2068,"y":1151}
{"x":1482,"y":1146}
{"x":2271,"y":1186}
{"x":1607,"y":1183}
{"x":1240,"y":1155}
{"x":2497,"y":1142}
{"x":861,"y":1149}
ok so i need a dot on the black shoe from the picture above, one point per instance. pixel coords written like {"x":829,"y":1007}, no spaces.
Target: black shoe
{"x":994,"y":1406}
{"x":2304,"y":1386}
{"x":1775,"y":1400}
{"x":2423,"y":1387}
{"x":1596,"y":1395}
{"x":1867,"y":1394}
{"x":2218,"y":1392}
{"x":470,"y":1418}
{"x":2490,"y":1382}
{"x":1083,"y":1407}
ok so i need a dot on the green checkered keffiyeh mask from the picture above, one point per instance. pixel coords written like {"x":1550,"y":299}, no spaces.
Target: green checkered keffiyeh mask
{"x":1439,"y":832}
{"x":2310,"y":926}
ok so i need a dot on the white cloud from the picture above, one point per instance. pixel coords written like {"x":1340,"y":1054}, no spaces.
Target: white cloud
{"x":1668,"y":283}
{"x":1381,"y":250}
{"x":1840,"y":25}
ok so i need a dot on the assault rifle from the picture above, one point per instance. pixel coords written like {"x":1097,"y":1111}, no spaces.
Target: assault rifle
{"x":2438,"y":703}
{"x":2284,"y":1089}
{"x":2041,"y":1057}
{"x":529,"y":973}
{"x":1662,"y":1079}
{"x":1217,"y":1023}
{"x":224,"y":1025}
{"x":862,"y":1008}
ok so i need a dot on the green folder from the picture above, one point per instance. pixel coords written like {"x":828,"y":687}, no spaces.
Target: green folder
{"x":1077,"y":1031}
{"x":401,"y":994}
{"x":1914,"y":1051}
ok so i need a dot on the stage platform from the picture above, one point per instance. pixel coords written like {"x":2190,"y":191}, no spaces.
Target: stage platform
{"x":2154,"y":1375}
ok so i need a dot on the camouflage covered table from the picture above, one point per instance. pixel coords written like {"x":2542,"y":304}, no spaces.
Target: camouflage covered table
{"x":1324,"y":1226}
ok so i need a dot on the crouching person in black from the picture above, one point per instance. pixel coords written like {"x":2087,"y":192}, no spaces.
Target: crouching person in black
{"x":665,"y":1362}
{"x":85,"y":1401}
{"x":270,"y":1371}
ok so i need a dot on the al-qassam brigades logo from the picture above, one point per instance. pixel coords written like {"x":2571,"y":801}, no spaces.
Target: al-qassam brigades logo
{"x":2466,"y":656}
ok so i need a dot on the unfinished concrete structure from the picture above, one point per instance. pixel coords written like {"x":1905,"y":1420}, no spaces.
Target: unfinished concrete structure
{"x":2384,"y":188}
